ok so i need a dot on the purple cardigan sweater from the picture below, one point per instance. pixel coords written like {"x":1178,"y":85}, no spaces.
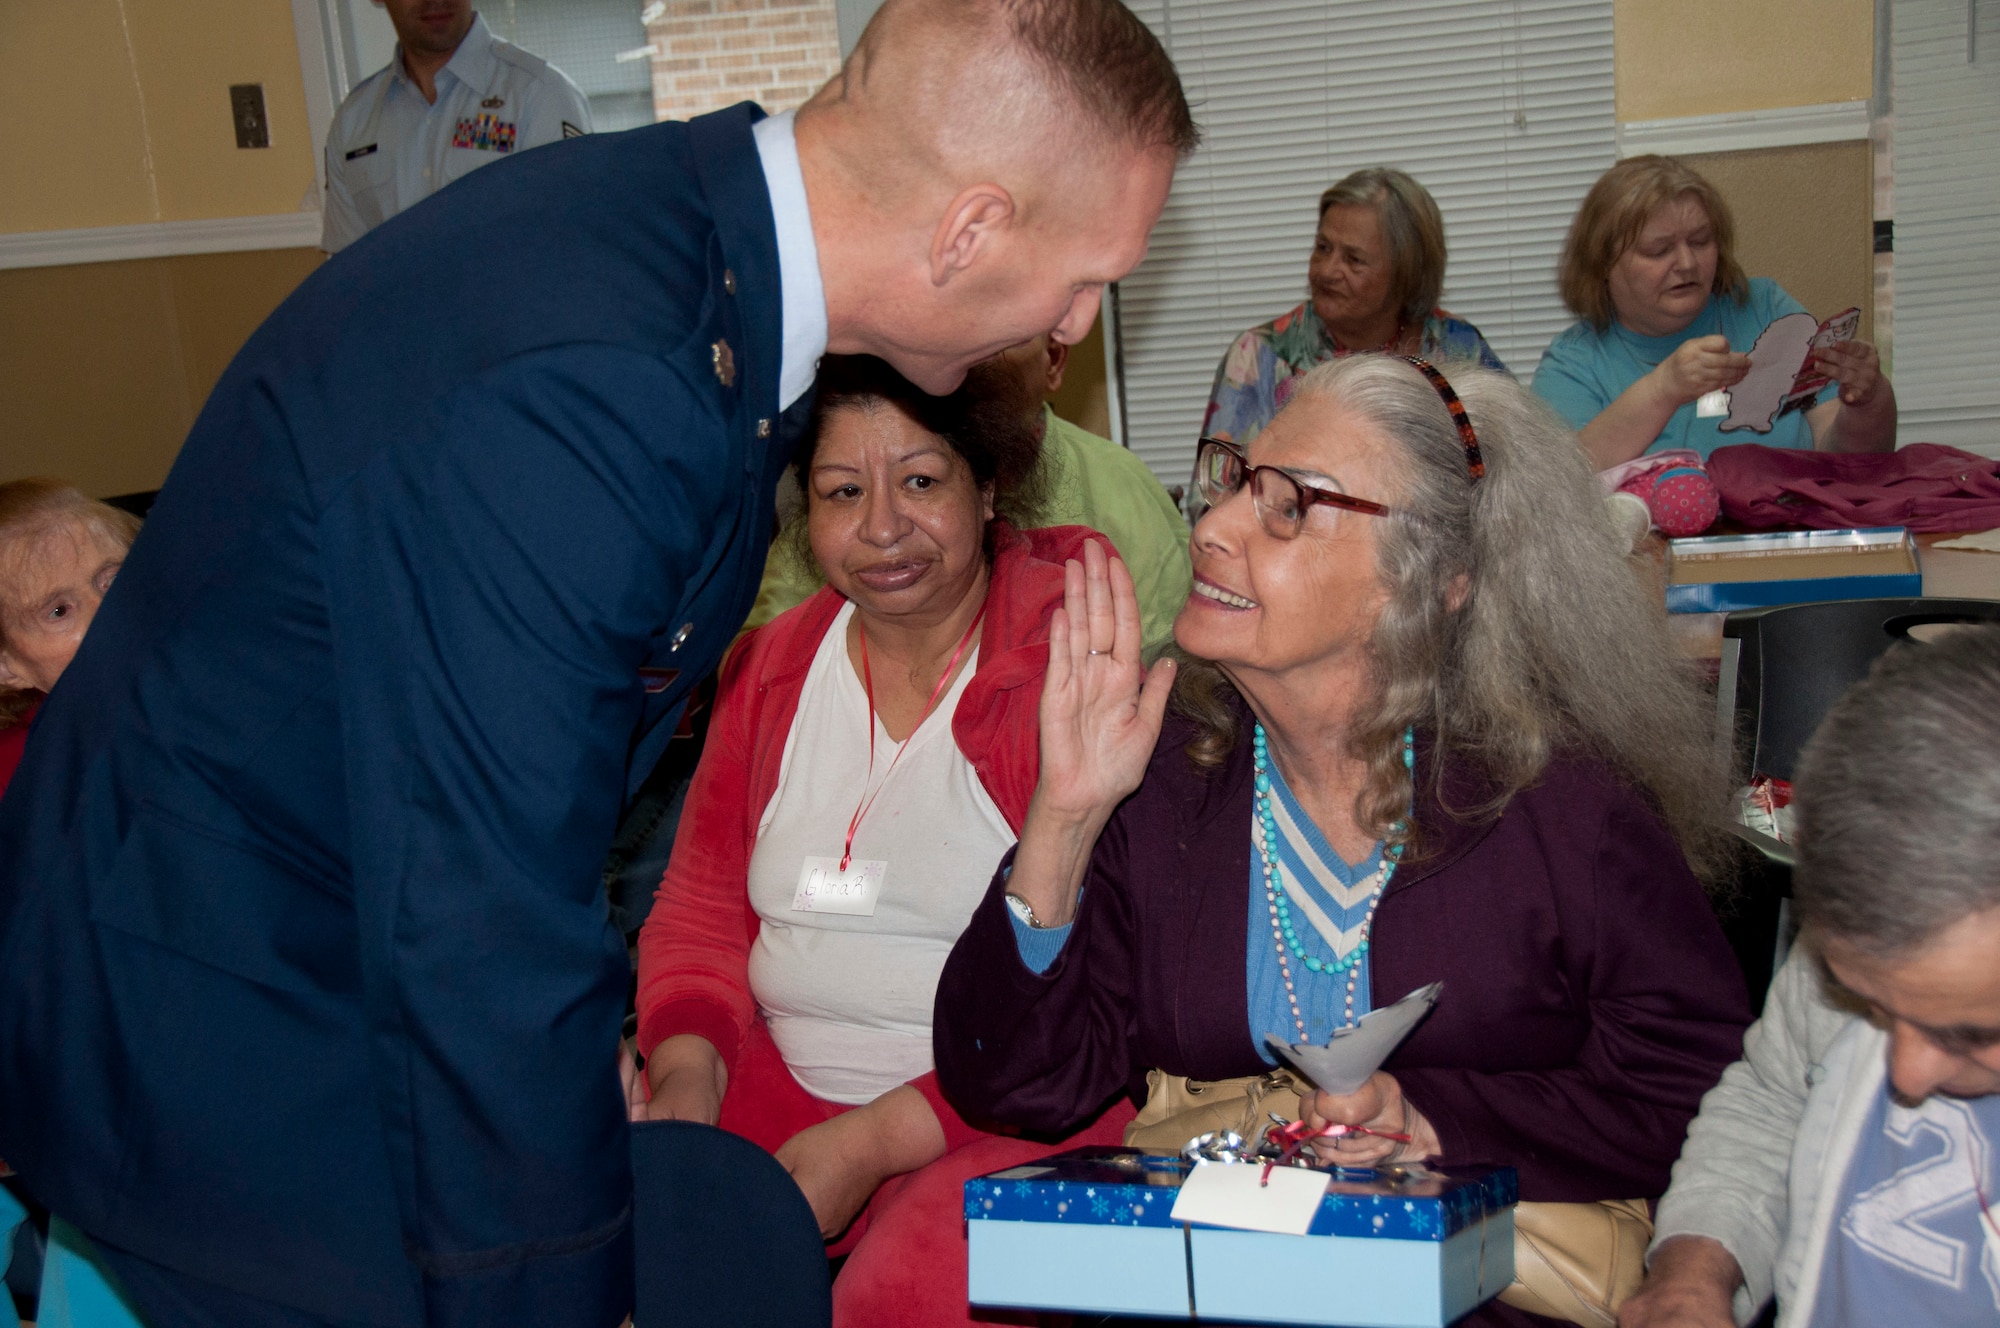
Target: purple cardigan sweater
{"x":1590,"y":998}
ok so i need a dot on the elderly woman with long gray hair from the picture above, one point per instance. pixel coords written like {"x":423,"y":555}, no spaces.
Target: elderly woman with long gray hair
{"x":1426,"y":724}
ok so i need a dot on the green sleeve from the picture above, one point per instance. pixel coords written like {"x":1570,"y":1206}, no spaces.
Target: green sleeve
{"x":785,"y":585}
{"x":1099,"y":484}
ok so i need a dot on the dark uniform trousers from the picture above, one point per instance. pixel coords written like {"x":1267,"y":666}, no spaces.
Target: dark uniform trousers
{"x":308,"y":996}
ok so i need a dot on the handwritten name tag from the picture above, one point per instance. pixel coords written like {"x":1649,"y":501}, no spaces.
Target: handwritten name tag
{"x":825,"y":888}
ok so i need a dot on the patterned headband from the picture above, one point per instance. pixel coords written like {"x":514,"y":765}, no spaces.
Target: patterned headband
{"x":1474,"y":463}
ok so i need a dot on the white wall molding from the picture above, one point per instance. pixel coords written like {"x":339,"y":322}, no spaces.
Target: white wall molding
{"x":1781,"y":127}
{"x":164,"y":239}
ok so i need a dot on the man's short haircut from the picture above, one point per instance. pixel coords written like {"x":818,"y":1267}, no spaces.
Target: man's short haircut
{"x":1412,"y":227}
{"x":1112,"y":65}
{"x":1614,"y":212}
{"x":1898,"y":797}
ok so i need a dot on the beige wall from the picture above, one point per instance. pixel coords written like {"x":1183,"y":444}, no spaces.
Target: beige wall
{"x":103,"y":366}
{"x":117,"y":113}
{"x":1705,"y":57}
{"x":1804,"y":219}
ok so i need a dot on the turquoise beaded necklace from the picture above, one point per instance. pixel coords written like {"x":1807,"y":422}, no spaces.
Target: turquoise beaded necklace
{"x":1284,"y":933}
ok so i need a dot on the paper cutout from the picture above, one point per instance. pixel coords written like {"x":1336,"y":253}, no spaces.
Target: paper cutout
{"x":1239,"y":1195}
{"x":1783,"y":374}
{"x":1774,"y":366}
{"x":1344,"y":1064}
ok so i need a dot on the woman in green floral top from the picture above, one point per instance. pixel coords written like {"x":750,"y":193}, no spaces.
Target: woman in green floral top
{"x":1376,"y":271}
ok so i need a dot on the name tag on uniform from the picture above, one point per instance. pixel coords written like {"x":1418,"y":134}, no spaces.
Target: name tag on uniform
{"x":825,"y":888}
{"x":359,"y":153}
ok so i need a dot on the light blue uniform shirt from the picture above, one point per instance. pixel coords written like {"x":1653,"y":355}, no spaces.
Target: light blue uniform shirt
{"x":1585,"y":370}
{"x":1911,"y":1245}
{"x":389,"y":149}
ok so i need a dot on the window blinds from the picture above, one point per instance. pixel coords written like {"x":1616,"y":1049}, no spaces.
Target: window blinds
{"x":1947,"y":266}
{"x":1504,"y":111}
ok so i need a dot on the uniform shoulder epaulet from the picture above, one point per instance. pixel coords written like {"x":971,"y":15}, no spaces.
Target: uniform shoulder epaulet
{"x":526,"y":61}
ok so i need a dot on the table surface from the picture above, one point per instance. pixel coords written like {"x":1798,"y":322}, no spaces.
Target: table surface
{"x":1948,"y":574}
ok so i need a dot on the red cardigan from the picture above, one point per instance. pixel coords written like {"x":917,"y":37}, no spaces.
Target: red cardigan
{"x":14,"y":741}
{"x":694,"y":951}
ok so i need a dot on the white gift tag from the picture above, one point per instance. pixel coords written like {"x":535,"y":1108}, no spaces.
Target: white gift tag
{"x":825,"y":888}
{"x":1710,"y":404}
{"x":1226,"y":1195}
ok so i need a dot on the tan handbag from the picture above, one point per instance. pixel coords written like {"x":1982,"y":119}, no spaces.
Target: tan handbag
{"x":1572,"y":1261}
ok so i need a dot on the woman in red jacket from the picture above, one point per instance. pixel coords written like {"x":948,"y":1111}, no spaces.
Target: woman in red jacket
{"x":871,"y":757}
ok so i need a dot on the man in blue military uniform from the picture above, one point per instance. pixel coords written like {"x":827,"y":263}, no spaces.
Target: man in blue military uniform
{"x":309,"y":999}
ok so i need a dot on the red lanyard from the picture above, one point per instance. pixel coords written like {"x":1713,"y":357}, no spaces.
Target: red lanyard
{"x":868,"y":682}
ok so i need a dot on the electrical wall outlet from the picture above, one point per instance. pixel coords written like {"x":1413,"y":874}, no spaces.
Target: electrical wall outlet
{"x":246,"y":108}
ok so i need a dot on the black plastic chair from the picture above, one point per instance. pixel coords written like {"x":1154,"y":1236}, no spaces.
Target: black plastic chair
{"x":1782,"y":669}
{"x":1786,"y":667}
{"x":721,"y":1234}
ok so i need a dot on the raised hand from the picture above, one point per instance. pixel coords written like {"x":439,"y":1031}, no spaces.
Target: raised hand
{"x":1101,"y":710}
{"x":1101,"y":713}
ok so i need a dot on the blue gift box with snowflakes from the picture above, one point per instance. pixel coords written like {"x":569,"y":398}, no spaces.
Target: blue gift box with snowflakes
{"x":1091,"y":1231}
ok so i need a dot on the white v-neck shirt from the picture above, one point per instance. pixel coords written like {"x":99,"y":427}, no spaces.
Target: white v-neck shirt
{"x":848,"y":999}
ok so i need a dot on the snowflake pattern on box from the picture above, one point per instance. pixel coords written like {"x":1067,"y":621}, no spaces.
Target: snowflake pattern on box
{"x":1120,"y":1187}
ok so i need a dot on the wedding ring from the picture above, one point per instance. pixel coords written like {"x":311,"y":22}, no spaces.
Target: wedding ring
{"x":1100,"y":652}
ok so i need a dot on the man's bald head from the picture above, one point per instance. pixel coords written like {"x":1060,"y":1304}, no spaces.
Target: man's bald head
{"x":1089,"y":67}
{"x":1010,"y":155}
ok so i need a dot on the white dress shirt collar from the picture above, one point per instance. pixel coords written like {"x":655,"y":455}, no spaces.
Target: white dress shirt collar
{"x":471,"y":64}
{"x":804,"y":297}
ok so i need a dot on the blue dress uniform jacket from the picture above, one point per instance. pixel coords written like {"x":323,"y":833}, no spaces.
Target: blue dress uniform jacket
{"x":307,"y":987}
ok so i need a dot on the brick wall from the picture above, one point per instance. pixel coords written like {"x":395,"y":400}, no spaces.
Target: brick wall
{"x":713,"y":53}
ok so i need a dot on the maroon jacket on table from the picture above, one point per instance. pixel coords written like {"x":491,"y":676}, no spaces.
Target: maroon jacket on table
{"x":1589,"y":1001}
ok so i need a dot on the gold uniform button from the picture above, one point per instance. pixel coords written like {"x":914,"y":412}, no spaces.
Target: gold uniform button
{"x":763,"y":428}
{"x":680,"y":637}
{"x":729,"y":281}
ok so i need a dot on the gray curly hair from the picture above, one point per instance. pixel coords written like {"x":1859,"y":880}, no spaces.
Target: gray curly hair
{"x":1559,"y":640}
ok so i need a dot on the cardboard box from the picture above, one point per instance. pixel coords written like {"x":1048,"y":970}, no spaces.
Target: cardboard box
{"x":1721,"y":573}
{"x":1089,"y":1231}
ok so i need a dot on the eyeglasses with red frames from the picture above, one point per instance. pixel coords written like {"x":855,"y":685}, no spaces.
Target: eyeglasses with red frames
{"x":1221,"y":469}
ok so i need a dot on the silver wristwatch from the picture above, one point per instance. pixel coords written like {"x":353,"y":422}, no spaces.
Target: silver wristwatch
{"x":1025,"y":912}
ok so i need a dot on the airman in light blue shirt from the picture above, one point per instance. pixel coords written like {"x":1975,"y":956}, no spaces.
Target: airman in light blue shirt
{"x":453,"y":99}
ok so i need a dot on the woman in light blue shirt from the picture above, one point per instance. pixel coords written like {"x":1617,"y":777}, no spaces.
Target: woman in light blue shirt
{"x":1665,"y":315}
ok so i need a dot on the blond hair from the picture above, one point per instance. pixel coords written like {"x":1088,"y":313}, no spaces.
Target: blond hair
{"x":1412,"y":227}
{"x":30,"y":509}
{"x":1614,"y":212}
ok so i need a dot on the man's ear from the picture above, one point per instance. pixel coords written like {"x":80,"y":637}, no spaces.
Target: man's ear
{"x":9,"y":678}
{"x":972,"y":221}
{"x":986,"y":492}
{"x":1058,"y":362}
{"x":1458,"y":592}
